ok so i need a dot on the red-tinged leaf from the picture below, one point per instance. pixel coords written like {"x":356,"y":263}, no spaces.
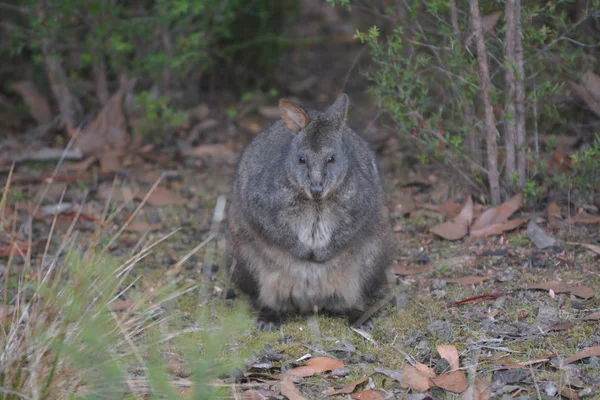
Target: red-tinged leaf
{"x":450,"y":354}
{"x":499,"y":214}
{"x":455,"y":381}
{"x":347,"y":389}
{"x":450,"y":209}
{"x":414,"y":379}
{"x":467,"y":280}
{"x":589,"y":352}
{"x":404,"y":270}
{"x":553,"y":213}
{"x":592,"y":317}
{"x":480,"y":390}
{"x":562,"y":326}
{"x":489,"y":21}
{"x":142,"y":226}
{"x":316,"y":365}
{"x":592,"y":247}
{"x":368,"y":395}
{"x":477,"y":299}
{"x":584,"y":292}
{"x":289,"y":389}
{"x":584,"y":219}
{"x":425,"y":369}
{"x":497,"y":229}
{"x":458,"y":227}
{"x":162,"y":197}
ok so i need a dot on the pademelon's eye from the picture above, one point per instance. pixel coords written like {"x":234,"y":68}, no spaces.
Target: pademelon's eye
{"x":331,"y":159}
{"x":301,"y":160}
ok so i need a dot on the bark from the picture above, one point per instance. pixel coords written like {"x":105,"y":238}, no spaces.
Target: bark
{"x":71,"y":111}
{"x":473,"y":139}
{"x":484,"y":73}
{"x":521,"y":138}
{"x":510,"y":126}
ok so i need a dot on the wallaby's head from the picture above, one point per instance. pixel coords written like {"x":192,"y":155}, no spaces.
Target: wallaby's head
{"x":317,"y":162}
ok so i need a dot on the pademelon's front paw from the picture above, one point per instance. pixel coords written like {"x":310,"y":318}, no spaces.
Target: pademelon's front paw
{"x":268,"y":320}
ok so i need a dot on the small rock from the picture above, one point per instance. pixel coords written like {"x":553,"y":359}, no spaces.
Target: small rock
{"x":341,"y":372}
{"x":370,"y":358}
{"x":586,"y":392}
{"x":401,"y":301}
{"x":551,"y":389}
{"x":442,"y":365}
{"x":511,"y":375}
{"x":538,"y":236}
{"x":423,"y":349}
{"x":438,"y":284}
{"x":230,"y":294}
{"x":441,"y":329}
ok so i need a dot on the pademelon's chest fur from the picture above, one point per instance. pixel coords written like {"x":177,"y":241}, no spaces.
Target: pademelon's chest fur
{"x":314,"y":226}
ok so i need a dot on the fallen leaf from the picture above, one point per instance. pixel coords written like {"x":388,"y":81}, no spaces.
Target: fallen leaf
{"x":458,"y":227}
{"x":538,"y":236}
{"x":589,"y":352}
{"x":316,"y":365}
{"x":390,"y":373}
{"x":450,"y":354}
{"x":142,"y":226}
{"x":450,"y":209}
{"x":107,"y":131}
{"x":414,"y":379}
{"x":584,"y":219}
{"x":162,"y":197}
{"x":404,"y":270}
{"x":592,"y":317}
{"x":36,"y":102}
{"x":110,"y":161}
{"x":584,"y":292}
{"x":467,"y":280}
{"x":497,"y":229}
{"x":489,"y":21}
{"x":477,"y":299}
{"x":553,"y":213}
{"x":347,"y":389}
{"x":498,"y":214}
{"x":368,"y":395}
{"x":569,"y":393}
{"x":120,"y":305}
{"x":425,"y":369}
{"x":289,"y":390}
{"x":405,"y":204}
{"x":562,"y":326}
{"x":455,"y":381}
{"x":480,"y":390}
{"x":78,"y":166}
{"x":592,"y":247}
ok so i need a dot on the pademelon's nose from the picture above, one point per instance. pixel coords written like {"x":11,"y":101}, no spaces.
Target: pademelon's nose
{"x":316,"y":191}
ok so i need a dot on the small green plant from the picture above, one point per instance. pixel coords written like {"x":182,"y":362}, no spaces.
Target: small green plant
{"x":158,"y":115}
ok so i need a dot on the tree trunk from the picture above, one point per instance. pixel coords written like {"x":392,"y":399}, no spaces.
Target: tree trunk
{"x":520,"y":103}
{"x":71,"y":111}
{"x":101,"y":81}
{"x":510,"y":126}
{"x":484,"y":73}
{"x":473,"y":138}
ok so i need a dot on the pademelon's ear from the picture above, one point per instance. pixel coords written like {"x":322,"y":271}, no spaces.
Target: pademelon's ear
{"x":339,"y":108}
{"x":294,"y":118}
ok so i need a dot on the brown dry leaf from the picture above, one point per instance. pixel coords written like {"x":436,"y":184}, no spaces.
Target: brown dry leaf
{"x":592,"y":247}
{"x":415,"y":379}
{"x":455,"y":381}
{"x":110,"y":161}
{"x":162,"y":197}
{"x":426,"y":369}
{"x":584,"y":292}
{"x":289,"y":390}
{"x":569,"y":393}
{"x":467,"y":280}
{"x":562,"y":326}
{"x":368,"y":395}
{"x":37,"y":104}
{"x":584,"y":219}
{"x":107,"y":131}
{"x":347,"y":389}
{"x":589,"y":352}
{"x":403,"y":270}
{"x":450,"y":208}
{"x":78,"y":166}
{"x":591,"y":81}
{"x":458,"y":227}
{"x":142,"y":226}
{"x":592,"y":317}
{"x":553,"y":212}
{"x":498,"y":229}
{"x":316,"y":365}
{"x":450,"y":354}
{"x":498,"y":214}
{"x":481,"y":390}
{"x":120,"y":305}
{"x":489,"y":21}
{"x":117,"y":194}
{"x":406,"y":204}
